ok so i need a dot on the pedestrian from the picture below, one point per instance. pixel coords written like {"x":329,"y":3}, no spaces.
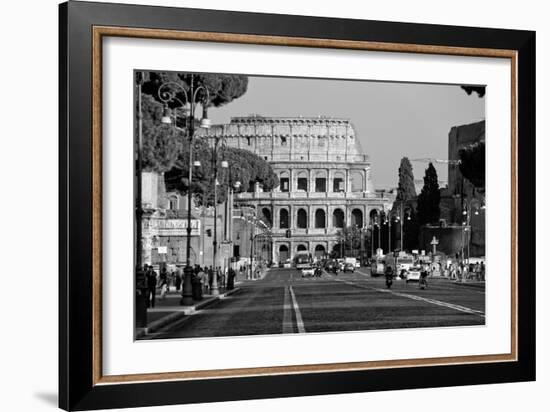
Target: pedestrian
{"x":163,"y":283}
{"x":231,"y":279}
{"x":210,"y":278}
{"x":222,"y":279}
{"x":178,"y":280}
{"x":151,"y":286}
{"x":388,"y":273}
{"x":201,"y":278}
{"x":477,"y":271}
{"x":482,"y":271}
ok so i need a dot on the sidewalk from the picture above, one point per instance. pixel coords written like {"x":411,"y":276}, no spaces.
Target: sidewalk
{"x":169,"y":310}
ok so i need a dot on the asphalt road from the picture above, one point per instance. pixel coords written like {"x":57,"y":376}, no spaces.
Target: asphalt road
{"x":284,"y":302}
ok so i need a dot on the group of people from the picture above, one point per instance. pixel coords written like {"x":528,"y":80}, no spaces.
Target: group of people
{"x":202,"y":281}
{"x":465,"y":271}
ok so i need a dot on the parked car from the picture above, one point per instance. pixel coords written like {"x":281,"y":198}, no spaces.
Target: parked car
{"x":349,"y":267}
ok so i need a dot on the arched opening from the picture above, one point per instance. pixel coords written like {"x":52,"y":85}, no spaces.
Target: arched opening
{"x":266,"y":213}
{"x":320,"y":252}
{"x":283,"y":219}
{"x":338,"y":182}
{"x":356,"y":181}
{"x":357,"y":218}
{"x":284,"y":182}
{"x":301,"y":221}
{"x":320,"y":221}
{"x":283,"y":253}
{"x":301,"y":182}
{"x":301,"y":248}
{"x":338,"y":218}
{"x":321,"y":182}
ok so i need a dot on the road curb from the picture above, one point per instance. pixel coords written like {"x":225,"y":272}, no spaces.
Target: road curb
{"x":477,"y":285}
{"x":176,"y":316}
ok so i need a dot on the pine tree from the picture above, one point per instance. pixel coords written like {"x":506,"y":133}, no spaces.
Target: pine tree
{"x":405,"y":189}
{"x":428,"y":200}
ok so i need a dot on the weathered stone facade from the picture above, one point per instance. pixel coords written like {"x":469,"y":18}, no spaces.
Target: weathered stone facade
{"x":164,"y":227}
{"x":325,"y":179}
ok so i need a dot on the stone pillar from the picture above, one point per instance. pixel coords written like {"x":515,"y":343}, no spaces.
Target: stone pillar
{"x":291,"y":223}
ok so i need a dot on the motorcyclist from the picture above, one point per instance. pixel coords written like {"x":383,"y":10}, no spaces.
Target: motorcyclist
{"x":388,"y":273}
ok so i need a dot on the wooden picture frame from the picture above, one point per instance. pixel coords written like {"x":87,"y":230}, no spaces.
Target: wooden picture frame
{"x":83,"y":26}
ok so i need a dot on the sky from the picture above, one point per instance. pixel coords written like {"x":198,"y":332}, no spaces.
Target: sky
{"x":391,"y":120}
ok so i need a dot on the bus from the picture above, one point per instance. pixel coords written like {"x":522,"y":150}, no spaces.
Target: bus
{"x":302,"y":260}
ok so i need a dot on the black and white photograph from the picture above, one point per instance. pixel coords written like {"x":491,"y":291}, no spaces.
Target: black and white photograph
{"x":269,"y":205}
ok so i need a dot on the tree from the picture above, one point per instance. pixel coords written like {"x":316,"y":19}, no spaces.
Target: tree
{"x":405,"y":188}
{"x":222,"y":88}
{"x":411,"y":231}
{"x":244,"y":166}
{"x":472,"y":164}
{"x":429,"y":197}
{"x":480,"y":90}
{"x":161,"y":143}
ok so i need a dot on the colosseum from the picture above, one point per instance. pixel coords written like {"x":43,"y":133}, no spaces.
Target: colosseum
{"x":325,"y":180}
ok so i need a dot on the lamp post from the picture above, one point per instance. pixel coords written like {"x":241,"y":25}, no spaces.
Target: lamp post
{"x":217,"y":139}
{"x":467,"y":213}
{"x":185,"y":111}
{"x":141,"y":282}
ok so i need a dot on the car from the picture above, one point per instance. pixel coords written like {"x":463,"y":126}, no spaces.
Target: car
{"x":413,"y":274}
{"x":349,"y":267}
{"x":357,"y":264}
{"x":332,"y":266}
{"x":308,"y":272}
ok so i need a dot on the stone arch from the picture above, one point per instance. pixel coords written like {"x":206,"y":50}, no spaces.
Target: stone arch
{"x":357,"y":217}
{"x":302,"y":181}
{"x":284,"y":181}
{"x":357,"y":181}
{"x":301,"y":219}
{"x":338,"y":218}
{"x":283,"y":219}
{"x":301,"y":248}
{"x":284,"y":253}
{"x":320,"y":181}
{"x":320,"y":251}
{"x":338,"y":181}
{"x":320,"y":219}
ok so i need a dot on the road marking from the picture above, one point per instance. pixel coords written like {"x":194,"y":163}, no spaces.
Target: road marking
{"x":299,"y":321}
{"x":287,"y":314}
{"x":420,"y":298}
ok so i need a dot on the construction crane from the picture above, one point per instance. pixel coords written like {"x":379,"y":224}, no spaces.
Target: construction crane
{"x":432,"y":160}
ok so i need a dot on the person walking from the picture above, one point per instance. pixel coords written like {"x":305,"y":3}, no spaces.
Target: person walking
{"x":163,"y":283}
{"x":151,"y":286}
{"x":177,"y":280}
{"x":231,"y":279}
{"x":210,"y":278}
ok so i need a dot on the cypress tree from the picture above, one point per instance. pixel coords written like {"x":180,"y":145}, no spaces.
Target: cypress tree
{"x":428,"y":200}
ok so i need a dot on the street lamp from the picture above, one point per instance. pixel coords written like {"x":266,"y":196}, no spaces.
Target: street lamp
{"x":217,"y":139}
{"x":467,"y":213}
{"x":185,"y":110}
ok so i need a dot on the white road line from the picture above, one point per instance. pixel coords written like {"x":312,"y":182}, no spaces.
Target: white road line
{"x":422,"y":299}
{"x":287,"y":314}
{"x":299,"y":321}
